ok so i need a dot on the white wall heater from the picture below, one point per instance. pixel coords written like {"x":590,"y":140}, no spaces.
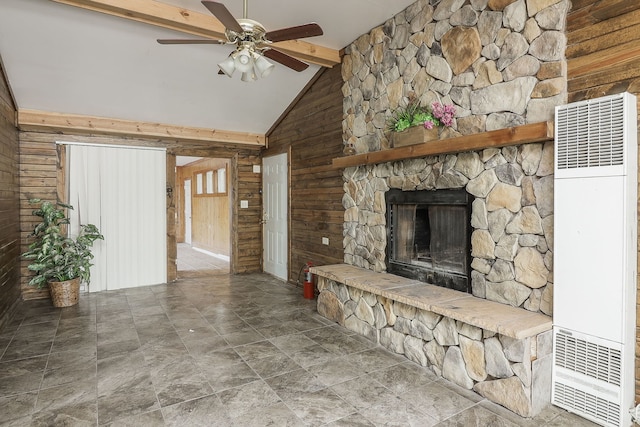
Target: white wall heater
{"x":595,"y":258}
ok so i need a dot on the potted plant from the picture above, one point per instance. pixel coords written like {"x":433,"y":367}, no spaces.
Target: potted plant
{"x":417,"y":123}
{"x":60,"y":261}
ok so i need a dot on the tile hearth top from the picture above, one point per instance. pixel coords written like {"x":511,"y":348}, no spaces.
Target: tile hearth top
{"x":504,"y":319}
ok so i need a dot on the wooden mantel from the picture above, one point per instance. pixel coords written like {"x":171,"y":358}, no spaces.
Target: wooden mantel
{"x":534,"y":132}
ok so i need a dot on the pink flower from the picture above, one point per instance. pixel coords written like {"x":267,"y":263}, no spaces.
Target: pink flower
{"x":444,"y":113}
{"x":428,"y":124}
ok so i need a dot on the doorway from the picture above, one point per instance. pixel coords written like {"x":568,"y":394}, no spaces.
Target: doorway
{"x":121,"y":191}
{"x":203,"y":216}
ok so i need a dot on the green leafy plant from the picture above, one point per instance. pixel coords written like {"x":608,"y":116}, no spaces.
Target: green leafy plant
{"x":54,"y":256}
{"x":415,"y":114}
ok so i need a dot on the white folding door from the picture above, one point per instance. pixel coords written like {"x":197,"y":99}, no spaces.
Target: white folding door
{"x":122,"y":191}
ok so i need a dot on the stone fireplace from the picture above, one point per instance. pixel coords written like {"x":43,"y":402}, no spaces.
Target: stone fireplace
{"x":429,"y":237}
{"x":511,"y":221}
{"x":496,"y":341}
{"x":502,"y":65}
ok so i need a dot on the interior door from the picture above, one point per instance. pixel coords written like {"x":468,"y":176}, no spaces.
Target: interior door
{"x":187,"y":211}
{"x":275,"y":220}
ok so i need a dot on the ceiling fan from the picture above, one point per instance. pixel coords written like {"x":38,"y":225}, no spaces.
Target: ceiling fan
{"x":252,"y":42}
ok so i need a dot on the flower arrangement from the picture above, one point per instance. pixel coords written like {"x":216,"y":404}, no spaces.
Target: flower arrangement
{"x":415,"y":114}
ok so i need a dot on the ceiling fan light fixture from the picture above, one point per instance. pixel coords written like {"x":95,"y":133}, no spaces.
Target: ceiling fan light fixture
{"x":249,"y":76}
{"x":262,"y":66}
{"x":228,"y":66}
{"x":251,"y":42}
{"x":243,"y":61}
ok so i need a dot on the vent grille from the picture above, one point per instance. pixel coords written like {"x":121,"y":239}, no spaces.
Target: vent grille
{"x":587,"y":358}
{"x":577,"y":400}
{"x":590,"y":134}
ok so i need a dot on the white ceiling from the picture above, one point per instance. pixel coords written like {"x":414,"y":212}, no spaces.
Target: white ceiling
{"x":61,"y":58}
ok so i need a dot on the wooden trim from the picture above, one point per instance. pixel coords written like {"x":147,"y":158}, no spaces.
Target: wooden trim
{"x":289,"y":210}
{"x":233,"y":203}
{"x":5,"y":77}
{"x":39,"y":121}
{"x":172,"y":244}
{"x":534,"y":132}
{"x":195,"y":23}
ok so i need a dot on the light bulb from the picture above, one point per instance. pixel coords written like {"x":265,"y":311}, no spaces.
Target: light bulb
{"x":262,"y":67}
{"x":227,"y":66}
{"x":243,"y":61}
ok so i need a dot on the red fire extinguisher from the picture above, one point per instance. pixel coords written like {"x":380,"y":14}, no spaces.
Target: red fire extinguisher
{"x":308,"y":290}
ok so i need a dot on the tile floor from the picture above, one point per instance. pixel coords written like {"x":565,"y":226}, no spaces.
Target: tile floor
{"x":219,"y":351}
{"x":193,"y":263}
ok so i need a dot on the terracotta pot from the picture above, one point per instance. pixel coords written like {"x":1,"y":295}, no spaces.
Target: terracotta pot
{"x":65,"y":294}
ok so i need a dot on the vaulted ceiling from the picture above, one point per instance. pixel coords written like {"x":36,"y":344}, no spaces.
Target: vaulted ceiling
{"x":62,"y":58}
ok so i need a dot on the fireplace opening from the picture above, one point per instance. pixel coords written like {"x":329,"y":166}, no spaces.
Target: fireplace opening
{"x":429,"y":236}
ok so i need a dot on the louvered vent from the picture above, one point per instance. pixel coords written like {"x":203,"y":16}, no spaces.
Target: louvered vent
{"x":600,"y":409}
{"x":587,"y":358}
{"x":590,"y":134}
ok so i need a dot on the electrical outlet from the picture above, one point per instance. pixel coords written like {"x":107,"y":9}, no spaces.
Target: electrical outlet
{"x":325,"y":240}
{"x":256,"y":168}
{"x":244,"y":204}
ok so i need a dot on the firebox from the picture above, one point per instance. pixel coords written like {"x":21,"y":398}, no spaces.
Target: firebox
{"x":429,"y":236}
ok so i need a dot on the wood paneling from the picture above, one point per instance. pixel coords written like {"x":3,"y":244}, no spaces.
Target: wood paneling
{"x":312,"y":132}
{"x":246,"y":233}
{"x":603,"y":58}
{"x":9,"y":208}
{"x":603,"y":48}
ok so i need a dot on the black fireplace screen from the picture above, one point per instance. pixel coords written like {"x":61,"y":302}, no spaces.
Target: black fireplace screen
{"x":428,"y":236}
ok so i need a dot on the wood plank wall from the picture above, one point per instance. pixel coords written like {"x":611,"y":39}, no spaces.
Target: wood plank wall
{"x":312,"y":133}
{"x":603,"y":58}
{"x":9,"y":212}
{"x":40,"y":177}
{"x":246,"y":230}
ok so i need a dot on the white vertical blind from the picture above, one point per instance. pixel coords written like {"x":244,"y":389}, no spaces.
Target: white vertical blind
{"x":122,"y":191}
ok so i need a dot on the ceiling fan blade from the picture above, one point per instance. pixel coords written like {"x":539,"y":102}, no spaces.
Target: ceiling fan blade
{"x":221,"y":12}
{"x":286,"y":60}
{"x":299,"y":32}
{"x":188,"y":41}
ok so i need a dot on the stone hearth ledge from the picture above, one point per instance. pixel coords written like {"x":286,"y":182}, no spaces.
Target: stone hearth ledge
{"x":511,"y":321}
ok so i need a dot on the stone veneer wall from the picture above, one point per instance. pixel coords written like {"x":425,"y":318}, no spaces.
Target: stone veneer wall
{"x":515,"y":373}
{"x":501,"y":62}
{"x":512,"y":216}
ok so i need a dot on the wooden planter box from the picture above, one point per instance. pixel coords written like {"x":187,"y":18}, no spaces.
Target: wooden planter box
{"x":414,"y":135}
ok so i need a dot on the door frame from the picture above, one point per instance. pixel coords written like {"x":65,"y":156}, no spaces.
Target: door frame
{"x":174,"y":213}
{"x":186,"y":201}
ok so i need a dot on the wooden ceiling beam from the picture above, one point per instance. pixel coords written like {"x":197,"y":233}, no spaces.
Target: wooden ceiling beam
{"x":39,"y":121}
{"x":199,"y":24}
